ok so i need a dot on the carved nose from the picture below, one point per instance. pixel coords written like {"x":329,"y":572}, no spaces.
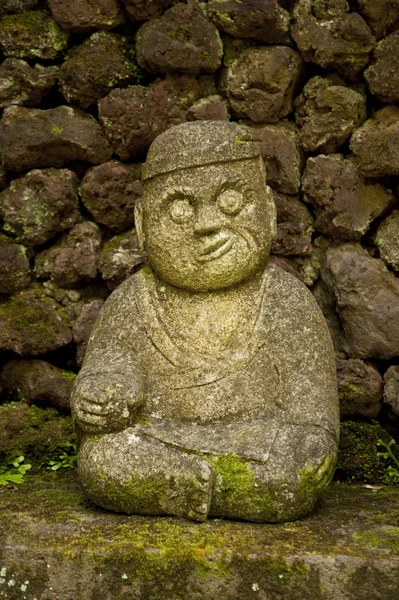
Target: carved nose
{"x":207,"y":220}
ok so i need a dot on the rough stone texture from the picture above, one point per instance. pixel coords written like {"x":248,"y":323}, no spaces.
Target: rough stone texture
{"x":367,"y":297}
{"x":328,"y":35}
{"x":15,"y":273}
{"x":391,"y":389}
{"x":325,"y":299}
{"x":141,"y":10}
{"x":84,"y":15}
{"x":72,"y":261}
{"x":32,"y":324}
{"x":294,"y":227}
{"x":211,"y":108}
{"x":38,"y":382}
{"x":110,"y":192}
{"x":359,"y":388}
{"x":379,"y":14}
{"x":383,"y":75}
{"x":327,"y":114}
{"x":204,"y":331}
{"x":181,"y":40}
{"x":132,"y":118}
{"x":95,"y":67}
{"x":266,"y":22}
{"x":16,"y":6}
{"x":3,"y":177}
{"x":120,"y":258}
{"x":387,"y":238}
{"x":345,"y":204}
{"x":31,"y":138}
{"x":32,"y":35}
{"x":282,"y":156}
{"x":262,"y":82}
{"x":39,"y":204}
{"x":347,"y":549}
{"x":24,"y":85}
{"x":376,"y":143}
{"x":83,"y":327}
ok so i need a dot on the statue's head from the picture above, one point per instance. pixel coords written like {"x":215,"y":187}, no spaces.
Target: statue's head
{"x":207,"y":218}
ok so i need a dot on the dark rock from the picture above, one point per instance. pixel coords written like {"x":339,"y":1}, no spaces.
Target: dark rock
{"x":266,"y":22}
{"x":32,"y":138}
{"x":15,"y":273}
{"x":375,"y":144}
{"x":379,"y":14}
{"x":261,"y":83}
{"x":72,"y":261}
{"x":16,"y":6}
{"x":383,"y":75}
{"x":282,"y":156}
{"x":391,"y":389}
{"x":39,"y":204}
{"x":310,"y":266}
{"x":141,"y":10}
{"x":121,"y":257}
{"x":330,"y":36}
{"x":32,"y":35}
{"x":294,"y":227}
{"x":70,"y":300}
{"x":83,"y":326}
{"x":38,"y":382}
{"x":84,"y":15}
{"x":288,"y":265}
{"x":181,"y":40}
{"x":110,"y":192}
{"x":325,"y":300}
{"x":211,"y":108}
{"x":327,"y":114}
{"x":24,"y":85}
{"x":95,"y":67}
{"x":367,"y":300}
{"x":134,"y":117}
{"x":387,"y":238}
{"x":3,"y":177}
{"x":32,"y":324}
{"x":359,"y":388}
{"x":344,"y":203}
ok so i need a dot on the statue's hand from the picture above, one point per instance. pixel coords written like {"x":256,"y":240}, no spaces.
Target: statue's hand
{"x":106,"y":402}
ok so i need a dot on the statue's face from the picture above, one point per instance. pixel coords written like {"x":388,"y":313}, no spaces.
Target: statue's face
{"x":209,"y":227}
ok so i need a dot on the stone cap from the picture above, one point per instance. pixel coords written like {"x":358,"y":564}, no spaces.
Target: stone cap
{"x":199,"y":143}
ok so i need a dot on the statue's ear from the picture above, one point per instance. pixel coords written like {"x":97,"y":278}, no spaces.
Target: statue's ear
{"x":273,"y":213}
{"x":138,"y":220}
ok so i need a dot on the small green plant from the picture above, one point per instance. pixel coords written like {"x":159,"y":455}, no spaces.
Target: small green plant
{"x":391,"y":476}
{"x":13,"y":470}
{"x":66,"y":460}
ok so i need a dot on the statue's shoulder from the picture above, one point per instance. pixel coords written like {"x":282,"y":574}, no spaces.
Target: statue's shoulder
{"x":123,"y":301}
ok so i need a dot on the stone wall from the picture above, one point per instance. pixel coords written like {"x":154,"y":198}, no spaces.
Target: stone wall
{"x":84,"y":89}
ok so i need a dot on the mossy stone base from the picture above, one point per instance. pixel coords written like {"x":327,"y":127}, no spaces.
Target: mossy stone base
{"x":54,"y":546}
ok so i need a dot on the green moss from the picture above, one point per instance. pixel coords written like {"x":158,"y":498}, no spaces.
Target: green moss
{"x":68,"y":375}
{"x":181,"y":33}
{"x":206,"y":56}
{"x":386,"y":537}
{"x":56,"y":129}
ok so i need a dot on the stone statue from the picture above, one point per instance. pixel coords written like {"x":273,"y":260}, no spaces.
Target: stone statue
{"x":209,"y":385}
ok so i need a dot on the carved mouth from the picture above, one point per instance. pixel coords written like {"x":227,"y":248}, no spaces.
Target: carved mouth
{"x":216,"y":249}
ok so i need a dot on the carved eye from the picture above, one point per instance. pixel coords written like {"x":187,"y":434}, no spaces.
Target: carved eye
{"x":181,"y":210}
{"x":231,"y":202}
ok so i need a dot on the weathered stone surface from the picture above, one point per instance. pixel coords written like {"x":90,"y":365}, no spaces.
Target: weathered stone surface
{"x":329,"y":35}
{"x":266,"y":22}
{"x":181,"y":40}
{"x":24,"y":85}
{"x":15,"y":273}
{"x":234,"y":353}
{"x":211,"y":108}
{"x":324,"y":298}
{"x":376,"y":143}
{"x":367,"y":297}
{"x":32,"y":324}
{"x":141,"y":10}
{"x":349,"y":544}
{"x":38,"y":382}
{"x":84,"y":15}
{"x":72,"y":261}
{"x":132,"y":118}
{"x":3,"y":177}
{"x":16,"y":6}
{"x":282,"y":156}
{"x":310,"y":266}
{"x":71,"y":300}
{"x":345,"y":204}
{"x":359,"y":388}
{"x":262,"y":82}
{"x":294,"y":227}
{"x":84,"y":324}
{"x":387,"y":239}
{"x":32,"y":35}
{"x":31,"y":138}
{"x":327,"y":114}
{"x":95,"y":67}
{"x":121,"y":256}
{"x":383,"y":75}
{"x":39,"y":204}
{"x":287,"y":264}
{"x":379,"y":14}
{"x":110,"y":192}
{"x":391,"y":389}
